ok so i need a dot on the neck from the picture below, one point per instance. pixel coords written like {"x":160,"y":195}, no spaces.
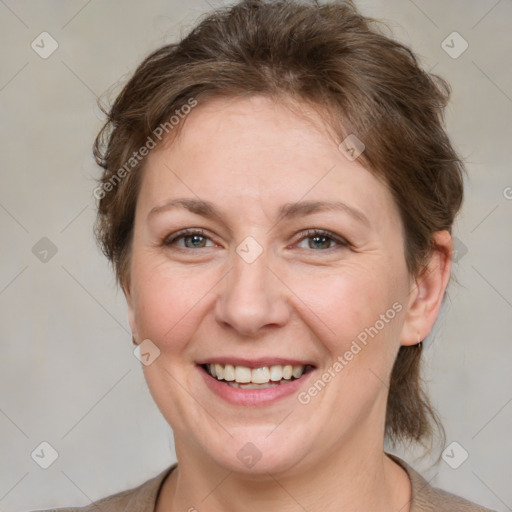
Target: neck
{"x":353,"y":480}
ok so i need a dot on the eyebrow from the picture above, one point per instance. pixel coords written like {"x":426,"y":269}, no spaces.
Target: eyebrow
{"x":286,"y":211}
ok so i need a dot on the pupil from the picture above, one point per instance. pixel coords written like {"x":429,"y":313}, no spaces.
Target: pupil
{"x":194,"y":239}
{"x":317,"y":238}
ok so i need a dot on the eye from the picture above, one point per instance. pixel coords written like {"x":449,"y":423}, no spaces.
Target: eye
{"x":192,"y":238}
{"x":318,"y":239}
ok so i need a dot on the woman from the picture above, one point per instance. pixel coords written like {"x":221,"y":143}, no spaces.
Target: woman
{"x":277,"y":200}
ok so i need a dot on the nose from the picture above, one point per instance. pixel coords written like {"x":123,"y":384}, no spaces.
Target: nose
{"x":253,"y":298}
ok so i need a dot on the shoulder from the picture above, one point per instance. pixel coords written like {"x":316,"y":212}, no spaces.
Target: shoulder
{"x":426,"y":498}
{"x":138,"y":499}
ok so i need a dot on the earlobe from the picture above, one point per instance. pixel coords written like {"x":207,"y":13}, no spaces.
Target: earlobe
{"x":427,"y":292}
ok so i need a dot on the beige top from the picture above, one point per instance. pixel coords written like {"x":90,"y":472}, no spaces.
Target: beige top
{"x":425,"y":498}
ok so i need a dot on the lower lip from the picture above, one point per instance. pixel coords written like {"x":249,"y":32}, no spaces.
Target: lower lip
{"x":251,"y":397}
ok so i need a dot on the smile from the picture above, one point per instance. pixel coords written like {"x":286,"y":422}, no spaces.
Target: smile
{"x":256,"y":382}
{"x":263,"y":377}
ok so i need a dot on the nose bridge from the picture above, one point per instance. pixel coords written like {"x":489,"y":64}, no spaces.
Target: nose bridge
{"x":252,"y":297}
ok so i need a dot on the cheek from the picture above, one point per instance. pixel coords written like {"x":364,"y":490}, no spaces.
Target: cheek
{"x":167,"y":302}
{"x":356,"y":302}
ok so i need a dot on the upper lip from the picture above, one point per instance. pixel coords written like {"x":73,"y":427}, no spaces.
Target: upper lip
{"x":255,"y":363}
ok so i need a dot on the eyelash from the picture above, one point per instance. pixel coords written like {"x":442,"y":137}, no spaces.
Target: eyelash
{"x":310,"y":233}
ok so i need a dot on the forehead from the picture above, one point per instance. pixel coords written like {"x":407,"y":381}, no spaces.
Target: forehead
{"x":255,"y":150}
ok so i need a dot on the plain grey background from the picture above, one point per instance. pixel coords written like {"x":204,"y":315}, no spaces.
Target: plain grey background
{"x":68,"y":374}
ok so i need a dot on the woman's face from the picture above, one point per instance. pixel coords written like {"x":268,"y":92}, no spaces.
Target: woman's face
{"x":251,"y":285}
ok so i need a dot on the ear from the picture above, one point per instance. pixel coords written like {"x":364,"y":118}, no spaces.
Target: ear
{"x":125,"y":286}
{"x":427,"y":292}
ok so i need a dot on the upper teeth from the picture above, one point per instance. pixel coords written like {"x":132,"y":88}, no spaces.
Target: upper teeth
{"x":243,"y":374}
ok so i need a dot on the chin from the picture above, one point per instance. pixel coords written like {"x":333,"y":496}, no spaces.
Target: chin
{"x":254,"y":453}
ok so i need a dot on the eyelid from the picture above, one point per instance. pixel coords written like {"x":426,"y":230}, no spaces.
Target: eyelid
{"x":173,"y":237}
{"x":308,"y":233}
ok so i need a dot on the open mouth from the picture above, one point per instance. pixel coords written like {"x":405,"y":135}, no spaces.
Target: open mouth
{"x":264,"y":377}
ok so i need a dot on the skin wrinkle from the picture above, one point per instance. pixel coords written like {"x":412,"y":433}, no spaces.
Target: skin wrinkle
{"x":328,"y":454}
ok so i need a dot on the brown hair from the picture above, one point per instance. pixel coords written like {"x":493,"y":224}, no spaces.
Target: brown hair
{"x":361,"y":81}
